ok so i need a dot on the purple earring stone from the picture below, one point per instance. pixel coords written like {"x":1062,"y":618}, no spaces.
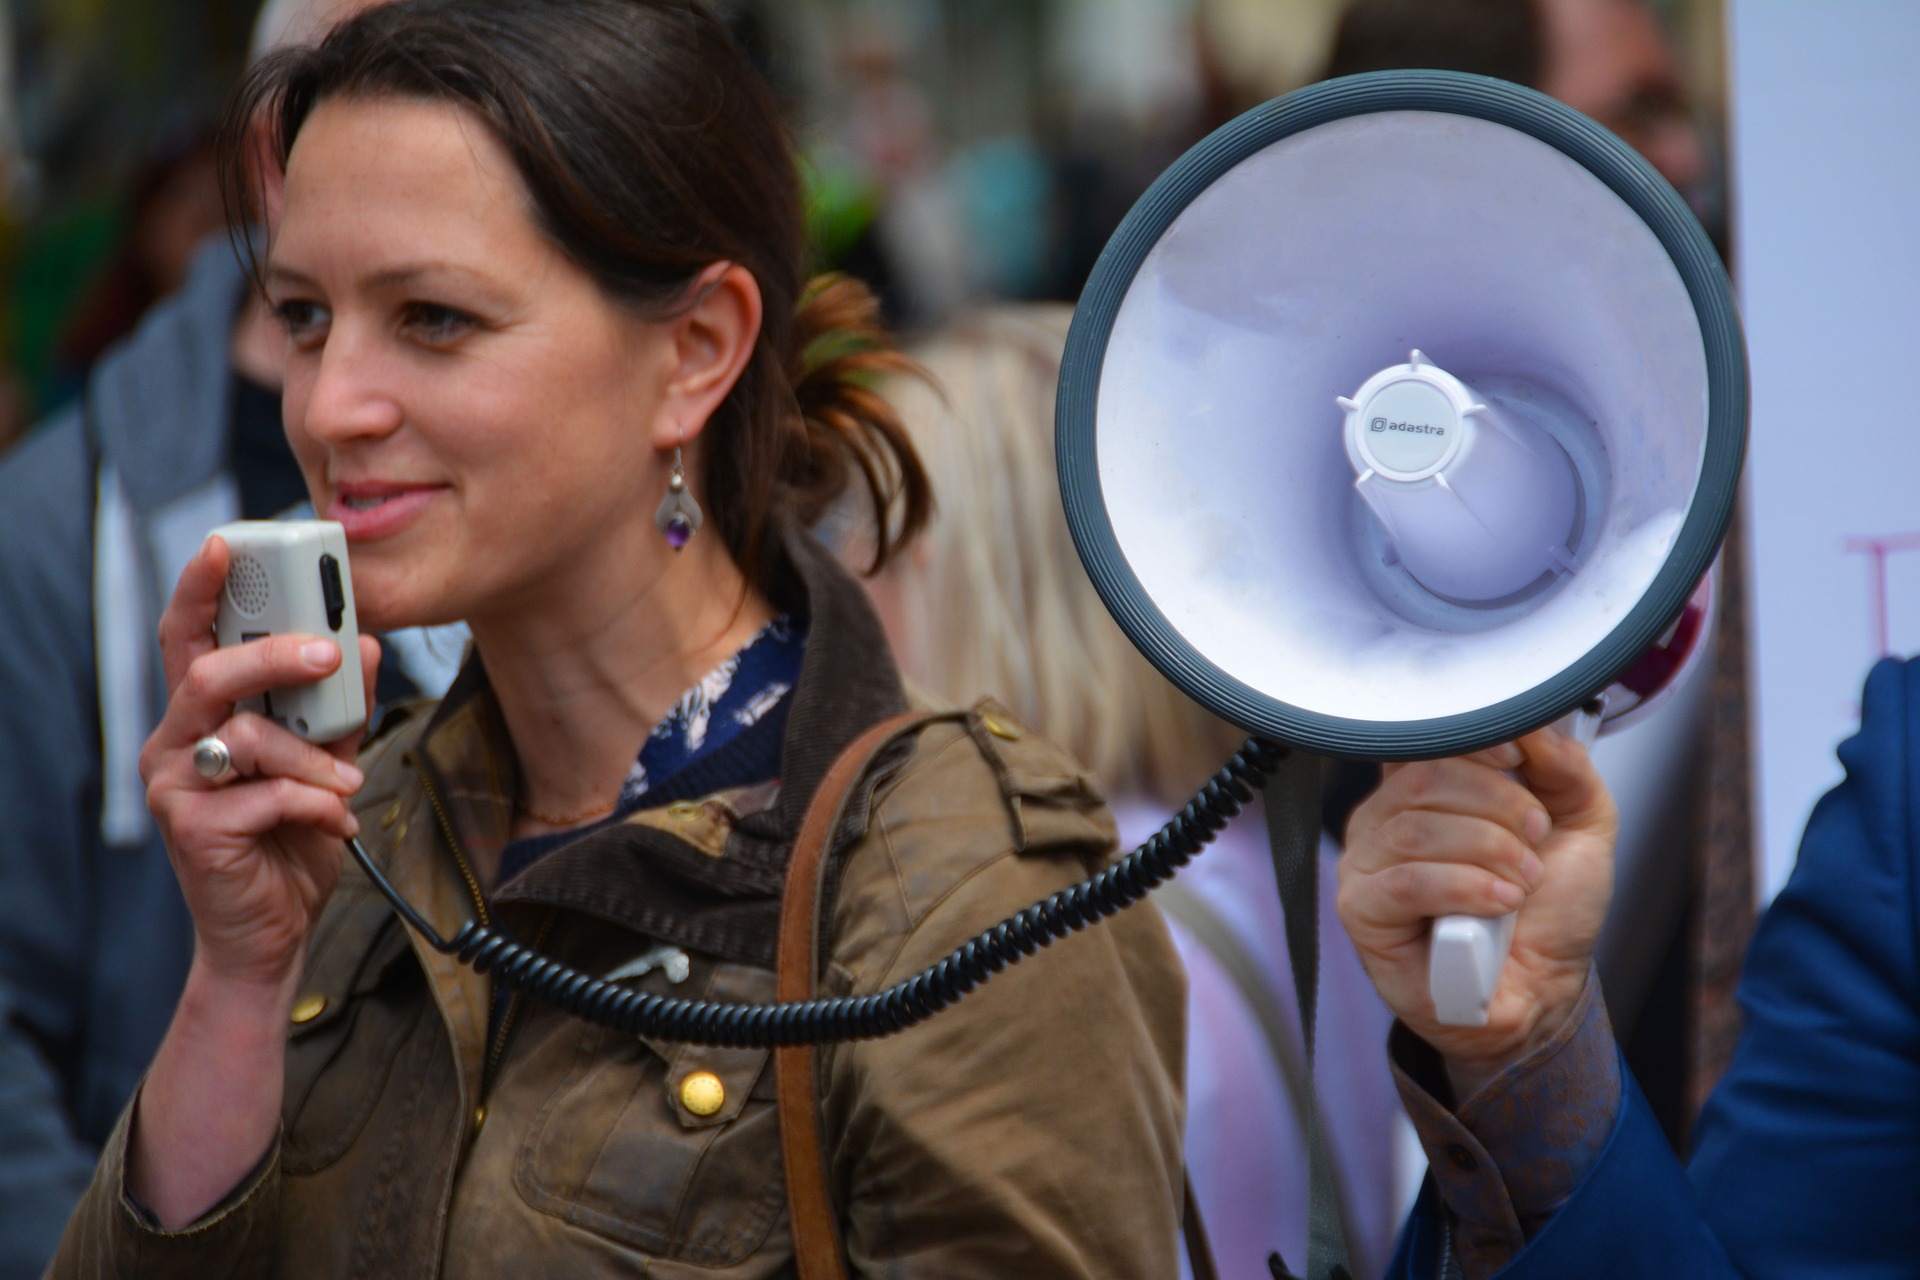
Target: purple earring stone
{"x":678,"y":515}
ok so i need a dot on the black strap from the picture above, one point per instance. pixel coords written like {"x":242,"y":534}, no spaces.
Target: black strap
{"x":1222,"y":942}
{"x":1194,"y":1231}
{"x":1292,"y":801}
{"x":1217,"y":937}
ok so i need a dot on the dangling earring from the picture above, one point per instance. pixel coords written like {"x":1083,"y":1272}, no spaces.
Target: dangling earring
{"x":678,"y":515}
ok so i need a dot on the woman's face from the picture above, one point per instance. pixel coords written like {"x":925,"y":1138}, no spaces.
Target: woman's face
{"x":461,"y":397}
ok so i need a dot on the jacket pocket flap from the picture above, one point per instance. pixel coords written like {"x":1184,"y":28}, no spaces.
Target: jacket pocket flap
{"x":706,"y":1085}
{"x":343,"y":966}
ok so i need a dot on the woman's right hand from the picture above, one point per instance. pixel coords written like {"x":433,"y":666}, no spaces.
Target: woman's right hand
{"x":258,"y":852}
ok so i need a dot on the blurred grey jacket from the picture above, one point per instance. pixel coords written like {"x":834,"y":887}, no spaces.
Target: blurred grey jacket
{"x":99,"y":510}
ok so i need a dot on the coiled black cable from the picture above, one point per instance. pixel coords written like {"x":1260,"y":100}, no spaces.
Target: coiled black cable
{"x":882,"y":1013}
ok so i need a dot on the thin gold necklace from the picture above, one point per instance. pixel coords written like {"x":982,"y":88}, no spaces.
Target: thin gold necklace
{"x":565,"y":819}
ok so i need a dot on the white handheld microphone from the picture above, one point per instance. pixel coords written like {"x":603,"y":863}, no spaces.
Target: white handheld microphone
{"x":292,"y":576}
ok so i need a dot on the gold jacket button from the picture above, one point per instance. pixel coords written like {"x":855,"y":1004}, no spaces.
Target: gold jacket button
{"x":479,"y":1120}
{"x":307,"y":1008}
{"x":686,"y":811}
{"x":702,"y":1093}
{"x":1000,"y":728}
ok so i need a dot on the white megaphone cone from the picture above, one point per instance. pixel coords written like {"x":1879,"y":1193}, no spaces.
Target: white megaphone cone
{"x":1495,"y":527}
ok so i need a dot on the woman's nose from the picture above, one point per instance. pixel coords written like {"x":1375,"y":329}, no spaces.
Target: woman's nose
{"x":347,"y":394}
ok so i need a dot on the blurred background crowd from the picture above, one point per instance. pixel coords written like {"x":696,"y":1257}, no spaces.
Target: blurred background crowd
{"x":960,"y":150}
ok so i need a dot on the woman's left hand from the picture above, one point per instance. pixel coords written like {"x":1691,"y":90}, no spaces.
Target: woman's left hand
{"x":1528,"y":826}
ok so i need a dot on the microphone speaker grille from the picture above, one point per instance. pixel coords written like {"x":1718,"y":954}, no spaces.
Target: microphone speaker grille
{"x":249,"y":586}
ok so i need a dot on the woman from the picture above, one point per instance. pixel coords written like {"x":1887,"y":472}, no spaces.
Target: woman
{"x":1034,"y":630}
{"x":552,"y":367}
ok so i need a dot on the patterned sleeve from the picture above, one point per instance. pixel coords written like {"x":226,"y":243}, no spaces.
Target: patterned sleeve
{"x":1506,"y":1160}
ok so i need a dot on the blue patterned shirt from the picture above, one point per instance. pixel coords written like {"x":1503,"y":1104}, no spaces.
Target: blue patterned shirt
{"x":724,"y":706}
{"x":725,"y":731}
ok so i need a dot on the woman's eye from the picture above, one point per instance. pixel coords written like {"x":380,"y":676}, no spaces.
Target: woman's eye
{"x":433,"y":323}
{"x":304,"y":320}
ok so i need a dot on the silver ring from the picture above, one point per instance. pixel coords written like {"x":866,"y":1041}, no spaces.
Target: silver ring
{"x":211,"y":759}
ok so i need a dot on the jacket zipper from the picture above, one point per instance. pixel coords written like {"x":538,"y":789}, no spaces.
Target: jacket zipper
{"x":453,"y":844}
{"x":514,"y":1000}
{"x":498,"y":1048}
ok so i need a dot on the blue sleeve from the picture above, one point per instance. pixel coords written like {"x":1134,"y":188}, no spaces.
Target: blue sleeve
{"x":1808,"y":1154}
{"x":48,"y":821}
{"x":1807,"y":1157}
{"x":1634,"y":1216}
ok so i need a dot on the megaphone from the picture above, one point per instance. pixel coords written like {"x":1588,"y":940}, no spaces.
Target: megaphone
{"x":1399,"y":418}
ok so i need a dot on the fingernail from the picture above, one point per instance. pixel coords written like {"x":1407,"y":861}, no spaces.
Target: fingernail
{"x":318,"y":653}
{"x":1509,"y":894}
{"x":353,"y":826}
{"x":349,"y":774}
{"x":1536,"y":826}
{"x":1508,"y":755}
{"x":1532,"y":870}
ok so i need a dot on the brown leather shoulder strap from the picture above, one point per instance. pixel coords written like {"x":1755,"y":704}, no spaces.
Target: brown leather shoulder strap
{"x":816,"y":1228}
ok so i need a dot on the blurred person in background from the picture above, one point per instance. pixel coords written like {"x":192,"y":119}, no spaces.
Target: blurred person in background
{"x":912,"y":251}
{"x":15,"y":177}
{"x":1609,"y":59}
{"x":179,"y":430}
{"x":1505,"y":1157}
{"x":994,"y":597}
{"x":1613,"y":60}
{"x":174,"y":205}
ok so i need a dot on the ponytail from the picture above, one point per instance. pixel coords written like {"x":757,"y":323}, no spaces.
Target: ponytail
{"x":840,"y":352}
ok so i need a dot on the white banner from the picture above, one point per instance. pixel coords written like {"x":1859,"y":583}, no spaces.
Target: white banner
{"x":1826,"y":204}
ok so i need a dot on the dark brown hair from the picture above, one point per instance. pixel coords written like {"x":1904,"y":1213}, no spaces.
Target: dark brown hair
{"x":1499,"y":38}
{"x":651,"y":149}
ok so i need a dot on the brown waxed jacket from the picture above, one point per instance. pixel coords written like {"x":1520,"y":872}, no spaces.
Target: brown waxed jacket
{"x":1031,"y":1131}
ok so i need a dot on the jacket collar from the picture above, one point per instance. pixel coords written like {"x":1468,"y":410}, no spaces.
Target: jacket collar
{"x":705,"y":875}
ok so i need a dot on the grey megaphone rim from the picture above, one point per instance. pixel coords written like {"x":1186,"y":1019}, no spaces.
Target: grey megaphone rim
{"x":1613,"y":163}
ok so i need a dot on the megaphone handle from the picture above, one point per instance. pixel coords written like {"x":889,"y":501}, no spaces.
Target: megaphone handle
{"x":1465,"y":954}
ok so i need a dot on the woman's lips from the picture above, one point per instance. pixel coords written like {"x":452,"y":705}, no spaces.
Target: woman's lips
{"x":370,"y":512}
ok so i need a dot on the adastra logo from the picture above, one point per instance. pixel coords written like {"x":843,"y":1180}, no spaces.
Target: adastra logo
{"x":1409,"y":428}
